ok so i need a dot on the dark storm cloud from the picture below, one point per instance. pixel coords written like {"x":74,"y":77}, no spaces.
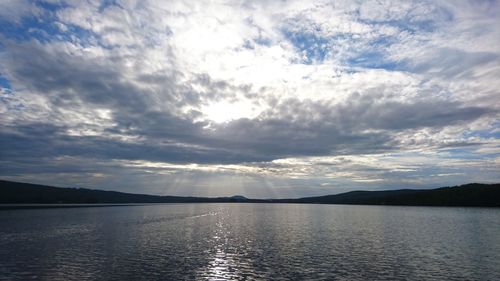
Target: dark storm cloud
{"x":363,"y":124}
{"x":43,"y":141}
{"x":377,"y":112}
{"x":70,"y":78}
{"x":289,"y":131}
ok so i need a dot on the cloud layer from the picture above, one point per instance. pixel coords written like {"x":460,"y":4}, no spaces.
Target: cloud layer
{"x":265,"y":98}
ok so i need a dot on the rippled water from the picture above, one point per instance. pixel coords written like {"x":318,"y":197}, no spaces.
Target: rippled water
{"x":250,"y":241}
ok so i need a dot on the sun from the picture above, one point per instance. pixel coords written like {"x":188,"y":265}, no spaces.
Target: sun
{"x":225,"y":111}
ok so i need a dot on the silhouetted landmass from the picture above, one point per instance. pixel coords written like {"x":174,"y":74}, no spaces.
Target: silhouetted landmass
{"x":474,"y":194}
{"x":26,"y":193}
{"x":479,"y":195}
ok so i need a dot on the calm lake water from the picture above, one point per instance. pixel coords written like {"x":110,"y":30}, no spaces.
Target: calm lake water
{"x":250,"y":241}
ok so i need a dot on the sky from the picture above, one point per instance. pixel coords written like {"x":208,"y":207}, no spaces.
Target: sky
{"x":266,"y":99}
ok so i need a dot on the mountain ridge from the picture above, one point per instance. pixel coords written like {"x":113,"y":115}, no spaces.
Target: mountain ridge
{"x":473,"y":194}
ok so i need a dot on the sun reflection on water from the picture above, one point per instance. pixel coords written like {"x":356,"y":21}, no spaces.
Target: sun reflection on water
{"x":225,"y":263}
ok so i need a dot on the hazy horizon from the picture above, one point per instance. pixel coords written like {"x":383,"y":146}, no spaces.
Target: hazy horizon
{"x":263,"y":99}
{"x":238,"y":195}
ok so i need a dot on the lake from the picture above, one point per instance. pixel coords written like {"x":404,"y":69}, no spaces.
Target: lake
{"x":250,"y":241}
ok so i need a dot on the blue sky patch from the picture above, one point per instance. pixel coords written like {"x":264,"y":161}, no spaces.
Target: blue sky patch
{"x":314,"y":48}
{"x":372,"y":60}
{"x":4,"y":83}
{"x":45,"y":28}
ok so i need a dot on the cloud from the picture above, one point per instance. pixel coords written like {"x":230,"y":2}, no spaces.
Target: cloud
{"x":15,"y":10}
{"x":215,"y":90}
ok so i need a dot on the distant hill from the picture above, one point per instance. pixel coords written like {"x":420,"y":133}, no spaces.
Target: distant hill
{"x":480,"y":195}
{"x":26,"y":193}
{"x":474,"y":194}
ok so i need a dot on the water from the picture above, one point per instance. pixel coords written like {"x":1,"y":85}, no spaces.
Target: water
{"x":250,"y":241}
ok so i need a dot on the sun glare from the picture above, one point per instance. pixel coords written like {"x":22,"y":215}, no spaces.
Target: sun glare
{"x":224,"y":111}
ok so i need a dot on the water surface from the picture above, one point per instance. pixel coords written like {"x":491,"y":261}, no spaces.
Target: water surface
{"x":250,"y":241}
